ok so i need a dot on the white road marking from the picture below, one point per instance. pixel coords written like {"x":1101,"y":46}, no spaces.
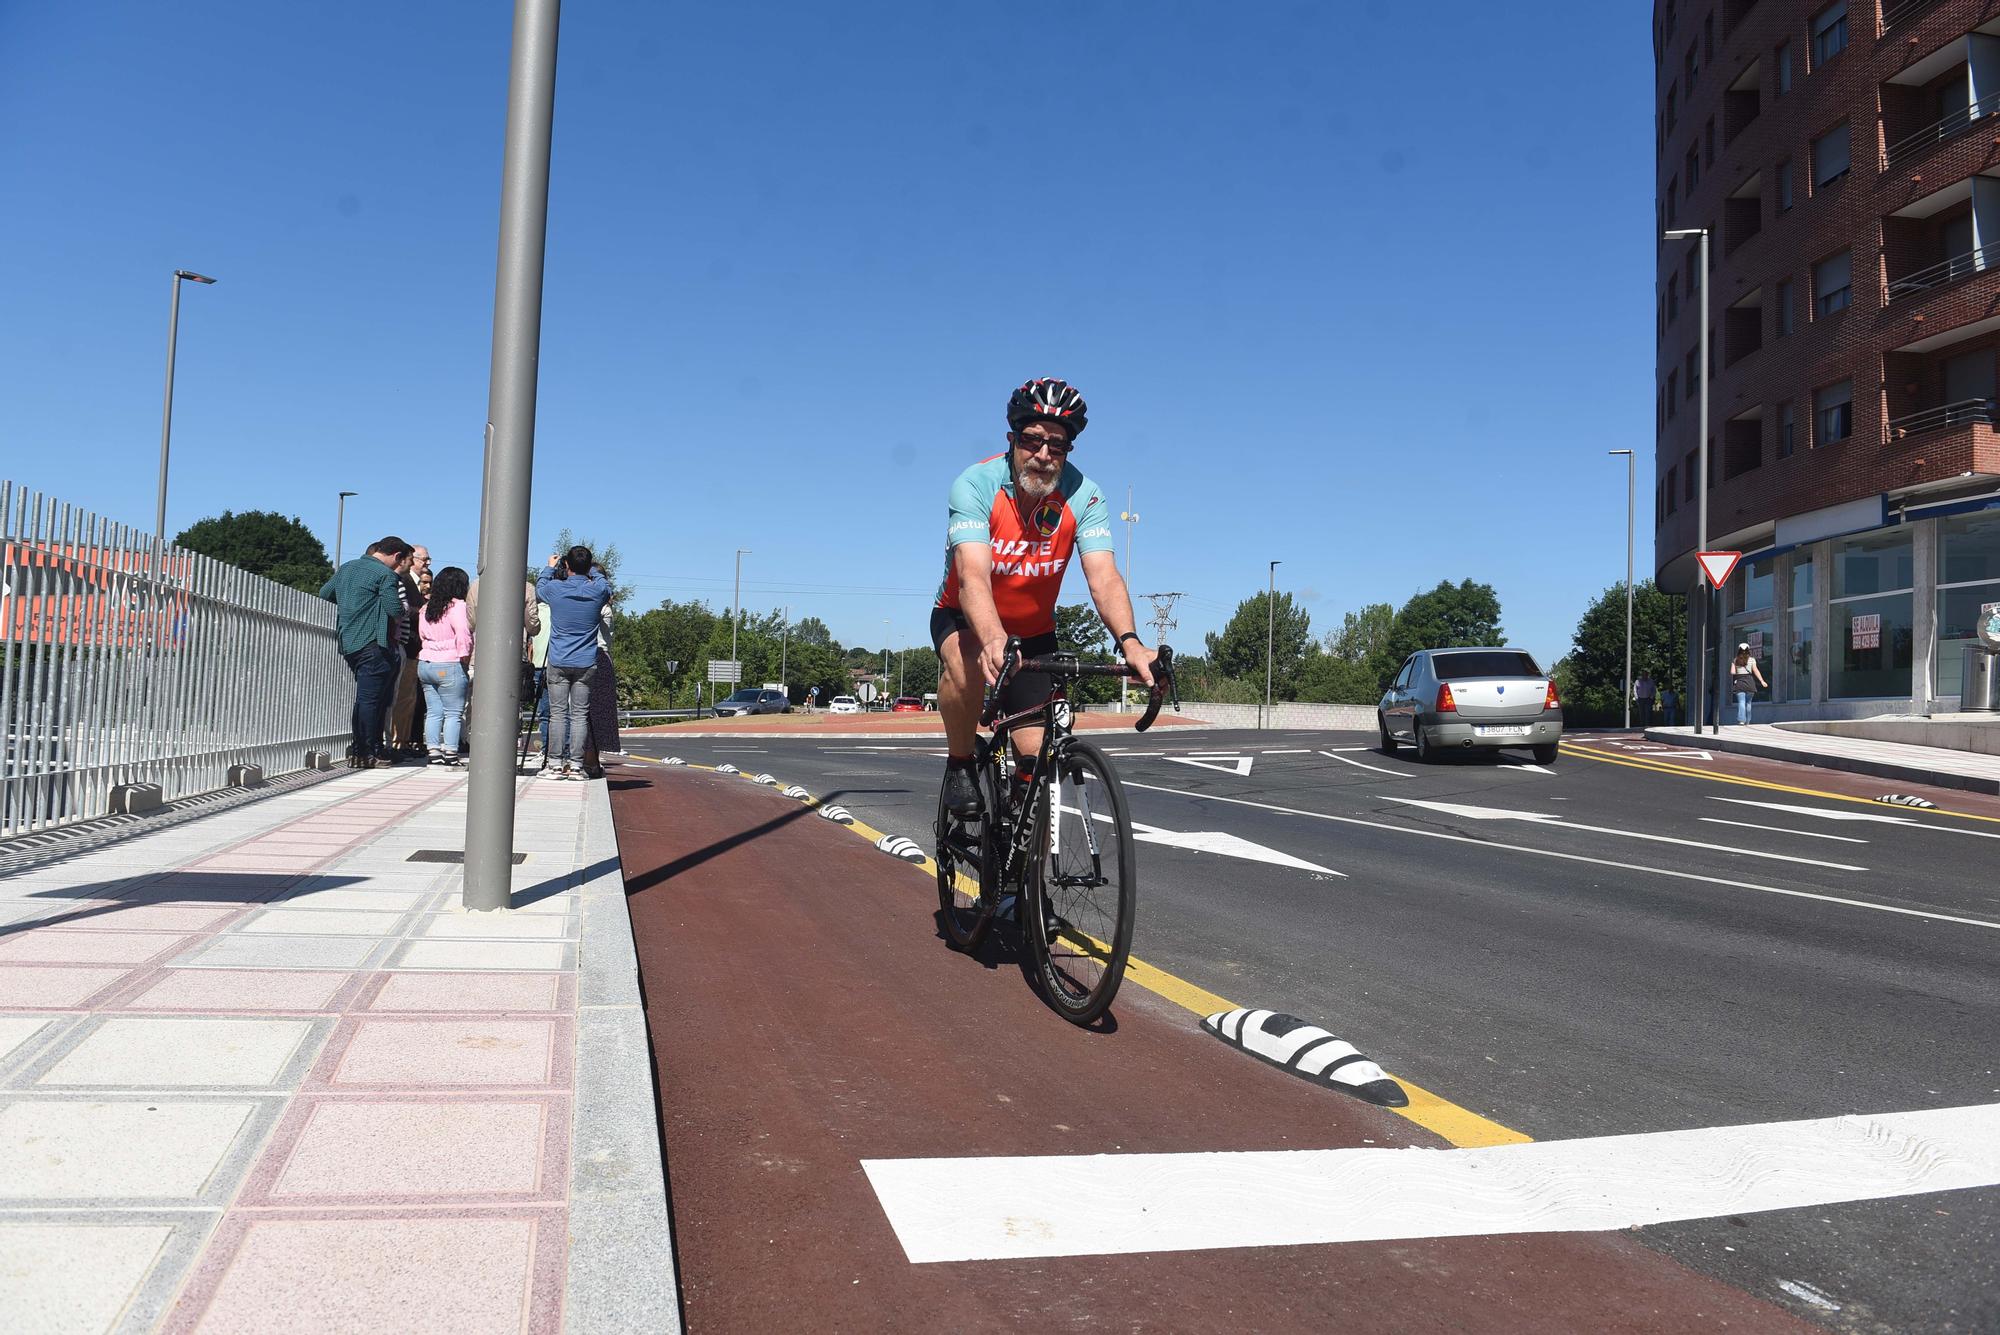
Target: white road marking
{"x":1237,"y":765}
{"x":1528,"y":766}
{"x":1880,"y":819}
{"x":1571,"y":857}
{"x":1543,"y":818}
{"x":1392,"y":773}
{"x":999,"y":1208}
{"x":1779,"y":829}
{"x":1213,"y":841}
{"x":1302,"y":751}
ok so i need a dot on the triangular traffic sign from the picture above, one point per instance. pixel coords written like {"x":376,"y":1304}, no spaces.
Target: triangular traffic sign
{"x":1717,"y":565}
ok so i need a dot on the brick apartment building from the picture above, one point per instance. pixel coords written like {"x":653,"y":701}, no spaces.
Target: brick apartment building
{"x":1845,"y":159}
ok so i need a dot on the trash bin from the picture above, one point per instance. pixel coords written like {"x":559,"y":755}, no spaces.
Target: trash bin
{"x":1977,"y":686}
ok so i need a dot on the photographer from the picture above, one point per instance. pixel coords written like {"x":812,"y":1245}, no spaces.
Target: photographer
{"x":576,"y":593}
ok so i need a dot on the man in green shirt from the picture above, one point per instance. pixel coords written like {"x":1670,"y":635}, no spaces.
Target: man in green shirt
{"x":368,"y":595}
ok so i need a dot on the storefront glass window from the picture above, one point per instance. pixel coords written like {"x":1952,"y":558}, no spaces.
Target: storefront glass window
{"x":1871,"y":642}
{"x":1878,"y":563}
{"x":1798,"y":682}
{"x":1968,"y":575}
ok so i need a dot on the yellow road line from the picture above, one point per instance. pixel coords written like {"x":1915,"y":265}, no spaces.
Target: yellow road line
{"x":1667,"y":767}
{"x":1461,"y":1127}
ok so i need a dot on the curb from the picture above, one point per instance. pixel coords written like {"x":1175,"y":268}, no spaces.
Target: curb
{"x":1879,"y":769}
{"x":868,"y":736}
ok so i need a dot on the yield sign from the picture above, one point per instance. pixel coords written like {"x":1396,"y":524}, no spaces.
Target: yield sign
{"x":1717,"y":565}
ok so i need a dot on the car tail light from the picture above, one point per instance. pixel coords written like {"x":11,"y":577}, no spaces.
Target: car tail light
{"x":1445,"y":704}
{"x":1553,"y":701}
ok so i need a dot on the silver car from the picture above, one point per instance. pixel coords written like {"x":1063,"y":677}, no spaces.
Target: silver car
{"x":751,"y":700}
{"x":1464,"y":699}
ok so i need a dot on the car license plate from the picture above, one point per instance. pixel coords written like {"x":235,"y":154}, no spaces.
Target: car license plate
{"x":1507,"y":731}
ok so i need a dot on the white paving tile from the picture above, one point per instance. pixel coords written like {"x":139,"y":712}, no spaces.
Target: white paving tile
{"x":387,"y":901}
{"x":320,"y":922}
{"x":504,"y":925}
{"x":525,"y":956}
{"x":143,"y":1052}
{"x":16,"y":1030}
{"x":157,"y":1150}
{"x":73,"y":1277}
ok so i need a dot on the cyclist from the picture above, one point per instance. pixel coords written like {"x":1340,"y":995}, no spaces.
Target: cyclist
{"x":1015,"y":520}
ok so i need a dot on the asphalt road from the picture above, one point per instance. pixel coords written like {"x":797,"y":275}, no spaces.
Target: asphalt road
{"x":1597,"y":948}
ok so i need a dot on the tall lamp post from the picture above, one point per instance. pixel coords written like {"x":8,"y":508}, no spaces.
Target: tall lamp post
{"x":1630,"y":483}
{"x":340,"y":525}
{"x":1131,"y":517}
{"x":1707,"y":599}
{"x":736,"y":614}
{"x":167,"y":410}
{"x":1270,"y":639}
{"x":784,"y":651}
{"x":887,"y":627}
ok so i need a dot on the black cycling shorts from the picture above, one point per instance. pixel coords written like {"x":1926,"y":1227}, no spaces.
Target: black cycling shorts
{"x":1025,"y":690}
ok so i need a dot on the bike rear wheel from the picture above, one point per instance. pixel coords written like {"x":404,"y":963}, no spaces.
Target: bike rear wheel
{"x":1084,"y":885}
{"x":967,"y":858}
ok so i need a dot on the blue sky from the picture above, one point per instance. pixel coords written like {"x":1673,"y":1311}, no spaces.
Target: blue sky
{"x":1362,"y":287}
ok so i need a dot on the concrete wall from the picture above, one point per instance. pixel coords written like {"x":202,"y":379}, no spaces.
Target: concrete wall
{"x":1348,"y":717}
{"x":1950,"y":735}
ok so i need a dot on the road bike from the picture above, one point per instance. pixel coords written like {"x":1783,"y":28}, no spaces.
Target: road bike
{"x":1060,"y":844}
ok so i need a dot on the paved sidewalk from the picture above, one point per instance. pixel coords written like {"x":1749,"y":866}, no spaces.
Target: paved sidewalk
{"x":259,"y":1071}
{"x":1969,"y":771}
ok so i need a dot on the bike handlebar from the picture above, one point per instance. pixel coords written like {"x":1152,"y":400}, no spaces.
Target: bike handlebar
{"x":1067,"y":666}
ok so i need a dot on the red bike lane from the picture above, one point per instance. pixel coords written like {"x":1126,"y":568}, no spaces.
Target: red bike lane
{"x":807,"y":1016}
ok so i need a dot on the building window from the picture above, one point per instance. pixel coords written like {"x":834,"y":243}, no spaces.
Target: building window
{"x":1869,"y":616}
{"x":1673,"y":301}
{"x":1673,"y":106}
{"x":1708,"y":141}
{"x":1784,"y":67}
{"x":1672,"y":398}
{"x":1670,"y":489}
{"x":1787,"y":305}
{"x":1830,"y":156}
{"x":1833,"y":413}
{"x":1687,"y":477}
{"x":1798,"y":668}
{"x":1673,"y":189}
{"x":1691,"y":67}
{"x":1693,"y":271}
{"x":1784,"y":186}
{"x":1968,"y":576}
{"x":1750,"y":619}
{"x":1833,"y":284}
{"x":1693,"y":164}
{"x":1829,"y":32}
{"x":1708,"y":35}
{"x":1788,"y":429}
{"x":1693,"y":376}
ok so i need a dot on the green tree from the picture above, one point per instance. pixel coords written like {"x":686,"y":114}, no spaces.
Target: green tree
{"x":1596,"y":660}
{"x":1239,"y":651}
{"x":811,"y":630}
{"x":1331,"y":679}
{"x":1363,"y":636}
{"x":262,"y":542}
{"x":1449,"y":616}
{"x":1080,"y":631}
{"x":607,"y":557}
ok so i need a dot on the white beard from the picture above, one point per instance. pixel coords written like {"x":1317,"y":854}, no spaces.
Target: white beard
{"x":1034,"y":488}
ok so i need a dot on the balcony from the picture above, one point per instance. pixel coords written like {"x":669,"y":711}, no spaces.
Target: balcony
{"x":1963,"y":413}
{"x":1944,"y":272}
{"x":1957,"y":123}
{"x":1902,"y":11}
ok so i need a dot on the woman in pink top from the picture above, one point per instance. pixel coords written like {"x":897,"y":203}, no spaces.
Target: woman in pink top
{"x":446,"y":631}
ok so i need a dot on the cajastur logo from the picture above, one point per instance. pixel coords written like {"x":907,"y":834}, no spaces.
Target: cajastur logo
{"x":1048,"y":517}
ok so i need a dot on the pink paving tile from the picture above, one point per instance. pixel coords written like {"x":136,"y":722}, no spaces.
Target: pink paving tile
{"x":456,"y":1053}
{"x":48,"y":945}
{"x":238,"y":990}
{"x":348,"y":1150}
{"x":154,"y":917}
{"x":255,"y":861}
{"x":29,"y":987}
{"x":491,"y":993}
{"x":438,"y":1274}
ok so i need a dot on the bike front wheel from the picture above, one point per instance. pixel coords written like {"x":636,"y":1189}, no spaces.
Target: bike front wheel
{"x":967,"y":867}
{"x":1085,"y":887}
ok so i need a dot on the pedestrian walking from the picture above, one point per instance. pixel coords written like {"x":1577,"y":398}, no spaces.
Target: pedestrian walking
{"x":576,"y":592}
{"x":1669,"y":706}
{"x":443,"y":663}
{"x":1642,"y":695}
{"x":1745,"y":680}
{"x":368,"y":597}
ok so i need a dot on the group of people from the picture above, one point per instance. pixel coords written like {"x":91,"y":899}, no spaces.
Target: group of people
{"x":407,"y":635}
{"x":1746,"y":678}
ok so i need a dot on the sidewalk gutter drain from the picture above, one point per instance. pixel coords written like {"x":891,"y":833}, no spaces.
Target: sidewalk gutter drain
{"x":897,"y":846}
{"x":450,"y":855}
{"x":1290,"y":1044}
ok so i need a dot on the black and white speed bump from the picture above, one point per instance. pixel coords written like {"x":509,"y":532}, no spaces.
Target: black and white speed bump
{"x":897,"y":846}
{"x":1907,"y":800}
{"x":764,"y":779}
{"x":727,"y":769}
{"x":838,"y":815}
{"x":1290,"y":1044}
{"x":798,"y":792}
{"x":673,"y":760}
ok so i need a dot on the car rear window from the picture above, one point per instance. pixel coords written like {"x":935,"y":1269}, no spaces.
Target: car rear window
{"x":1484,"y":663}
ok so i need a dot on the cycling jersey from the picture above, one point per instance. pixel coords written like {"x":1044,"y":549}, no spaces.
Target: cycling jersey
{"x":1030,"y":551}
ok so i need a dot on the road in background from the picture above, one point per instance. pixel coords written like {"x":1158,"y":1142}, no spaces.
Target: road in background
{"x":1605,"y":946}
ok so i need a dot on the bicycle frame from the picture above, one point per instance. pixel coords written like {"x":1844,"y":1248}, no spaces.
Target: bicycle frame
{"x":1017,"y":823}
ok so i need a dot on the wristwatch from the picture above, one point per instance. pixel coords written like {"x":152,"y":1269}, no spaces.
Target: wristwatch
{"x":1128,"y":635}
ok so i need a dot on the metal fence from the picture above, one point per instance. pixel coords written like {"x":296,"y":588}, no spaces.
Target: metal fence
{"x":123,"y":662}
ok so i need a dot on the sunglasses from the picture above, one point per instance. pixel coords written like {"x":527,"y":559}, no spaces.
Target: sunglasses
{"x":1035,"y":444}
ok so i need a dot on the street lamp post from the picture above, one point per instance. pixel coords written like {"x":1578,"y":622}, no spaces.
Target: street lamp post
{"x":887,"y":627}
{"x":1270,"y":639}
{"x":784,"y":650}
{"x":1131,"y":517}
{"x":340,"y":525}
{"x":736,"y":614}
{"x":167,"y":410}
{"x":1630,"y":484}
{"x":1707,"y":599}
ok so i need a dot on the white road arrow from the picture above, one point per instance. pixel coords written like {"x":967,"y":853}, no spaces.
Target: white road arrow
{"x":1237,"y":765}
{"x":1874,"y":816}
{"x":994,"y":1208}
{"x":1542,"y":818}
{"x":1215,"y":841}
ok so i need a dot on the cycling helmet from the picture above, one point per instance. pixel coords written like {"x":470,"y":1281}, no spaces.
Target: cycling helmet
{"x":1047,"y":400}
